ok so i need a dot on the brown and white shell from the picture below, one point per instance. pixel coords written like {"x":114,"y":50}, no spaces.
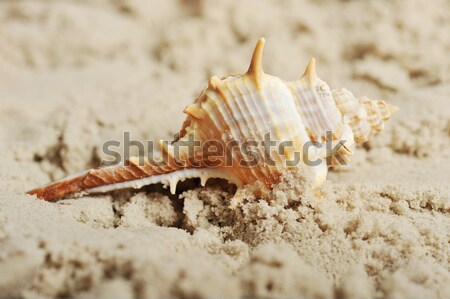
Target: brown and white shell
{"x":243,"y":108}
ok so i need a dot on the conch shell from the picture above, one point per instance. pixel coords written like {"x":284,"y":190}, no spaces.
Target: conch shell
{"x":244,"y":109}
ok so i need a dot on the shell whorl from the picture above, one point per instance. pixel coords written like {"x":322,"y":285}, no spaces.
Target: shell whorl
{"x":316,"y":105}
{"x":363,"y":115}
{"x":242,"y":109}
{"x":246,"y":108}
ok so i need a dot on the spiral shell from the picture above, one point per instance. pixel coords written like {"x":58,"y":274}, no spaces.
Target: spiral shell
{"x":244,"y":109}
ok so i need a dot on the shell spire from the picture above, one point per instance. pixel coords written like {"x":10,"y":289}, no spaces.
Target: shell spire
{"x":255,"y":67}
{"x":310,"y":71}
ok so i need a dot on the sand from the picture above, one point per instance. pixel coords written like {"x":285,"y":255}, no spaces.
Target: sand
{"x":75,"y":74}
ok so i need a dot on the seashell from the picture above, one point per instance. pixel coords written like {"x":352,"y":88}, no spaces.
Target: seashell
{"x":244,"y":109}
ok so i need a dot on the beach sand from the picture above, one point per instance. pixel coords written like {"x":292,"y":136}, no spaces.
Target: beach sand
{"x":74,"y":74}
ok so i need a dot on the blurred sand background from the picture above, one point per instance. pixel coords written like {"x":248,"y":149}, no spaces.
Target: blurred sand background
{"x":74,"y":74}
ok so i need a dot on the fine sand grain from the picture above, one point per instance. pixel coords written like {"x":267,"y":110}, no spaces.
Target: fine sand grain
{"x":74,"y":74}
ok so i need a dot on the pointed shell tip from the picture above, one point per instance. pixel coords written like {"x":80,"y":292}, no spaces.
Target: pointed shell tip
{"x":256,"y":62}
{"x":214,"y":82}
{"x":310,"y":71}
{"x":392,"y":108}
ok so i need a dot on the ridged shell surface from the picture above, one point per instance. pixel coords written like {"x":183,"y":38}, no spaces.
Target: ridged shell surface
{"x":227,"y":108}
{"x":243,"y":109}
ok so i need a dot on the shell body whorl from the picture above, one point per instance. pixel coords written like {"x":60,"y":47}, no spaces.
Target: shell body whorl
{"x":245,"y":110}
{"x":228,"y":112}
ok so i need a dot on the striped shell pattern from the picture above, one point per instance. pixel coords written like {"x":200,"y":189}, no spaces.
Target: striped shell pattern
{"x":243,"y":109}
